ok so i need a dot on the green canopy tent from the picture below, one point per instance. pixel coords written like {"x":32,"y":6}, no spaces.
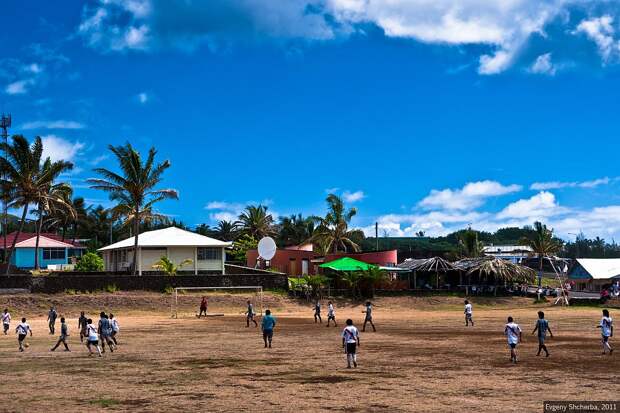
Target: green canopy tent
{"x":347,"y":264}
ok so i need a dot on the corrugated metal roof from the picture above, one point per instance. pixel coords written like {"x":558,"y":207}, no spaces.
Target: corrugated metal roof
{"x":24,"y":236}
{"x":601,"y":268}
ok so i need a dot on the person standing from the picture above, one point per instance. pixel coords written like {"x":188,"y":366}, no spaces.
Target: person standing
{"x":203,"y":307}
{"x":350,"y":340}
{"x":514,"y":335}
{"x":331,"y":314}
{"x":542,"y":326}
{"x":267,"y":325}
{"x":607,"y":331}
{"x":6,"y":321}
{"x":22,"y":331}
{"x":368,"y":317}
{"x":82,"y":323}
{"x":104,"y":330}
{"x":249,"y":315}
{"x":317,"y":312}
{"x":92,"y":338}
{"x":51,"y":319}
{"x":468,"y":314}
{"x":64,"y":333}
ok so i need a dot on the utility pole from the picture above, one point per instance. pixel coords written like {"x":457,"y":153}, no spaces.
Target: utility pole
{"x":5,"y":124}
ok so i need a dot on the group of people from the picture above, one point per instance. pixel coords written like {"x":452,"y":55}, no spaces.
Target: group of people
{"x":96,"y":336}
{"x":514,"y":334}
{"x":331,"y":314}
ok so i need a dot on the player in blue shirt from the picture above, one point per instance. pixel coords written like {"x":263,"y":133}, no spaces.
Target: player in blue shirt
{"x":542,"y":326}
{"x":267,"y":325}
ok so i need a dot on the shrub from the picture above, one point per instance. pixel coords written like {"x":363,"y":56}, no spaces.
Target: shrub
{"x":169,"y":290}
{"x":90,"y":262}
{"x":70,"y":291}
{"x":112,"y":288}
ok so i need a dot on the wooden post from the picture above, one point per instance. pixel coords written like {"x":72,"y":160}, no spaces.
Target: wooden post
{"x":139,"y":259}
{"x":195,"y":260}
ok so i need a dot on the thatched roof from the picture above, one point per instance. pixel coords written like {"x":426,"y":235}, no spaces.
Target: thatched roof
{"x":466,"y":263}
{"x":502,"y":270}
{"x":435,"y":264}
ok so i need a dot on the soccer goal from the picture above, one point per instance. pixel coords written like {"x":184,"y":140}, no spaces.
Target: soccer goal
{"x":186,"y":300}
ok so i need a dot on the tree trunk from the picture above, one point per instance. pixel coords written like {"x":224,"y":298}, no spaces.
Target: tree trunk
{"x":136,"y":225}
{"x":19,"y":231}
{"x":37,"y":265}
{"x":64,"y":232}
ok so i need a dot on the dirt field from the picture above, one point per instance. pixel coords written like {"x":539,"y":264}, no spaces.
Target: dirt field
{"x":421,"y":359}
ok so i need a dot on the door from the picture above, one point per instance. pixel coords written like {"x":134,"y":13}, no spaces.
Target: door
{"x":304,"y":266}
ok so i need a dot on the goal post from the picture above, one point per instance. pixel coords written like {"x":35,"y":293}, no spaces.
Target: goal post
{"x":256,"y":290}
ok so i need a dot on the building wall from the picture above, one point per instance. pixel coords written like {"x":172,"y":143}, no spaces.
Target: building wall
{"x":382,"y":258}
{"x":176,"y":254}
{"x":287,"y":261}
{"x":180,"y":254}
{"x":24,"y":258}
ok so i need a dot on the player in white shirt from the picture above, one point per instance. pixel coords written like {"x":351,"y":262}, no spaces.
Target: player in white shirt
{"x":22,"y":331}
{"x":331,"y":314}
{"x":468,"y":314}
{"x":6,"y":321}
{"x":607,"y":330}
{"x":368,"y":317}
{"x":513,"y":333}
{"x":92,"y":338}
{"x":115,"y":328}
{"x":350,"y":340}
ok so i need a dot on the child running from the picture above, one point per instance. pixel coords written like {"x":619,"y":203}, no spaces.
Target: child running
{"x":331,"y":314}
{"x":92,"y":338}
{"x":468,"y":314}
{"x":607,"y":331}
{"x":368,"y":318}
{"x":317,"y":312}
{"x":22,"y":331}
{"x":249,"y":315}
{"x":82,"y":323}
{"x":64,"y":333}
{"x":267,"y":325}
{"x":514,"y":335}
{"x":6,"y":321}
{"x":542,"y":326}
{"x":105,"y":331}
{"x":350,"y":340}
{"x":115,"y":328}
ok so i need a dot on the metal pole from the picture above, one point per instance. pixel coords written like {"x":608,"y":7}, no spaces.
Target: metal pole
{"x":5,"y":123}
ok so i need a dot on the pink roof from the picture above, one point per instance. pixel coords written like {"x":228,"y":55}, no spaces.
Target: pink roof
{"x":24,"y":236}
{"x":44,"y":242}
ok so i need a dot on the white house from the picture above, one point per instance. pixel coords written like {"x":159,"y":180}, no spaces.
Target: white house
{"x":513,"y":253}
{"x":591,"y":274}
{"x":206,"y":254}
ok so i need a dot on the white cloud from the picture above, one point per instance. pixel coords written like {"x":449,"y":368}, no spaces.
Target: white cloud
{"x":19,"y":87}
{"x":53,"y":124}
{"x":224,"y":205}
{"x":353,"y":196}
{"x":98,"y":159}
{"x":58,"y":148}
{"x":223,"y":216}
{"x":143,"y":97}
{"x":332,"y":190}
{"x":472,"y":195}
{"x":543,"y":65}
{"x":543,"y":186}
{"x":601,"y":32}
{"x":538,"y":206}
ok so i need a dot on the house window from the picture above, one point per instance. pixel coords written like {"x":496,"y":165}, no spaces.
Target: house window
{"x":208,"y":254}
{"x":53,"y":253}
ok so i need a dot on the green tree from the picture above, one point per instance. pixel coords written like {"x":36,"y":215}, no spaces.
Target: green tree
{"x":256,"y":221}
{"x":542,"y":243}
{"x":25,"y":178}
{"x":469,"y":245}
{"x":333,"y":230}
{"x":170,"y":267}
{"x":241,"y":246}
{"x":372,"y":278}
{"x":135,"y":187}
{"x":295,"y":230}
{"x":89,"y":262}
{"x":225,"y":230}
{"x":316,"y":283}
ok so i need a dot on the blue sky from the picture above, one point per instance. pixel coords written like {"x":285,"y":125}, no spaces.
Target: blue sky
{"x":424,"y":115}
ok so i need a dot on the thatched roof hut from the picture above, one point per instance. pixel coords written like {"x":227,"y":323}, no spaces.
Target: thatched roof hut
{"x":435,"y":265}
{"x":500,"y":270}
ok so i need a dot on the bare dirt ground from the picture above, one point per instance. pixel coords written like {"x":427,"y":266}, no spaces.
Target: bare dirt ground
{"x":422,"y":358}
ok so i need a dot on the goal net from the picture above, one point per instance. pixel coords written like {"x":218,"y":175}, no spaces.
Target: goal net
{"x":186,"y":301}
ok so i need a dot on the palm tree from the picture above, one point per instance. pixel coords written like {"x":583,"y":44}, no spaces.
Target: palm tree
{"x":170,"y":267}
{"x":135,"y":188}
{"x":543,"y":244}
{"x":469,"y":244}
{"x":81,"y":217}
{"x":333,"y":230}
{"x":226,"y":230}
{"x":256,"y":222}
{"x":295,"y":229}
{"x":373,"y":277}
{"x":24,"y":178}
{"x":100,"y":222}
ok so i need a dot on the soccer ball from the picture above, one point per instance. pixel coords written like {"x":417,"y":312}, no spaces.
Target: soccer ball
{"x":26,"y":345}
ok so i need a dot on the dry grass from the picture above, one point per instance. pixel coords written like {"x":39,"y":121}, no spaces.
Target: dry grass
{"x":421,"y":359}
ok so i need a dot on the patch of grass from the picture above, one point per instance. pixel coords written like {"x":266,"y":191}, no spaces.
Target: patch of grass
{"x":169,"y":290}
{"x":112,"y":288}
{"x":70,"y":291}
{"x":103,"y":402}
